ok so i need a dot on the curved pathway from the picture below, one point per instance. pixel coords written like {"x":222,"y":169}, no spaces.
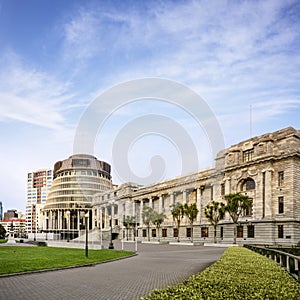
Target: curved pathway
{"x":155,"y":266}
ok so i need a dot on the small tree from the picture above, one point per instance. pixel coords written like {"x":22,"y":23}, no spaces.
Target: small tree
{"x":129,"y":222}
{"x":191,"y":211}
{"x":177,"y":211}
{"x":157,"y":220}
{"x":147,"y":218}
{"x":236,"y":204}
{"x":2,"y":232}
{"x":215,"y":212}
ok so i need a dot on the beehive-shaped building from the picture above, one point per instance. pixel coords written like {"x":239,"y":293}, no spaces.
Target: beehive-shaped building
{"x":75,"y":181}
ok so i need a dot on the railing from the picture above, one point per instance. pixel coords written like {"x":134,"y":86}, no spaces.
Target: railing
{"x":290,"y":262}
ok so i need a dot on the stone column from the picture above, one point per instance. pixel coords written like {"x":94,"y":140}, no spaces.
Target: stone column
{"x":184,"y":197}
{"x":150,"y":202}
{"x":105,"y":217}
{"x":227,"y":186}
{"x":141,"y":212}
{"x":268,"y":194}
{"x":160,"y":207}
{"x":199,"y":204}
{"x":78,"y":221}
{"x":50,"y":222}
{"x":172,"y":198}
{"x":58,"y":220}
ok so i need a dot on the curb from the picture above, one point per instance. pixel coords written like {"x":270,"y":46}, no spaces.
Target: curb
{"x":66,"y":268}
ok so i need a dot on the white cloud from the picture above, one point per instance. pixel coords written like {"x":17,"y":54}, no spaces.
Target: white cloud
{"x":31,"y":96}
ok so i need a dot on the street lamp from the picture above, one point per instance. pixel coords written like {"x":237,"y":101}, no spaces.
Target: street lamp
{"x":111,"y":245}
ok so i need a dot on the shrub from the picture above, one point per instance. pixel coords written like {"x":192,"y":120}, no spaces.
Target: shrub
{"x":239,"y":274}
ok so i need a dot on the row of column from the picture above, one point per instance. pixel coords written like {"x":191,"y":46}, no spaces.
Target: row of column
{"x":62,"y":220}
{"x":101,"y":216}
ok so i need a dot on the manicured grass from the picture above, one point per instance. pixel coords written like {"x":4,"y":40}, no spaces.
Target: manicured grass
{"x":20,"y":259}
{"x":239,"y":274}
{"x":2,"y":241}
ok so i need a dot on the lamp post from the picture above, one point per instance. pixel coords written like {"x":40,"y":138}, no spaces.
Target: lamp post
{"x":111,"y":245}
{"x":86,"y":235}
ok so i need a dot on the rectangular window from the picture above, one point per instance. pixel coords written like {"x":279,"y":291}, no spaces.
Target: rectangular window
{"x":189,"y":232}
{"x":223,"y":189}
{"x":211,"y":192}
{"x":175,"y":232}
{"x":280,"y":205}
{"x":280,"y":178}
{"x":248,"y":155}
{"x":240,"y":231}
{"x":248,"y":211}
{"x":80,"y":162}
{"x":221,"y":232}
{"x":250,"y":229}
{"x":280,"y":231}
{"x":204,"y":232}
{"x":164,"y":232}
{"x":144,"y":233}
{"x":153,"y":232}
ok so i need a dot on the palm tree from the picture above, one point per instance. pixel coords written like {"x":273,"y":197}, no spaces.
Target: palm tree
{"x":215,"y":212}
{"x":147,"y":218}
{"x":191,"y":211}
{"x":157,"y":219}
{"x":177,"y":212}
{"x":236,"y":204}
{"x":129,"y":222}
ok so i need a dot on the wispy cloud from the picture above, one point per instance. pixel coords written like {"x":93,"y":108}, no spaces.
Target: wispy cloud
{"x":31,"y":96}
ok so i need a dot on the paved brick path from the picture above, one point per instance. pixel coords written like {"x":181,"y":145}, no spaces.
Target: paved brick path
{"x":155,"y":266}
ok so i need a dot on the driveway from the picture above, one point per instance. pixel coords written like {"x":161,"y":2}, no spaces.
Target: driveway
{"x":155,"y":266}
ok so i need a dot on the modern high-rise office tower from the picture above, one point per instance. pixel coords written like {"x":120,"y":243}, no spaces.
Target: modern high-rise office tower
{"x":38,"y":186}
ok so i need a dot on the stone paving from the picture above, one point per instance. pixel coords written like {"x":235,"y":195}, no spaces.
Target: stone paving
{"x":155,"y":266}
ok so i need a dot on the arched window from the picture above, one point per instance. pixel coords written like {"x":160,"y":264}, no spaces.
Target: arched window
{"x":248,"y":184}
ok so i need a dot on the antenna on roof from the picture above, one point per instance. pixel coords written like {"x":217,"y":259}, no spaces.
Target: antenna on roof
{"x":250,"y":121}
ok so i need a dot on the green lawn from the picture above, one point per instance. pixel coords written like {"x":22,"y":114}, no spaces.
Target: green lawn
{"x":2,"y":241}
{"x":21,"y":259}
{"x":240,"y":275}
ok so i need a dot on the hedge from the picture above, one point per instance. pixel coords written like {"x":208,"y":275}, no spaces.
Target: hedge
{"x":239,"y":274}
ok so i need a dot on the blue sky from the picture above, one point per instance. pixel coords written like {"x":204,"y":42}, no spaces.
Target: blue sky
{"x":56,"y":57}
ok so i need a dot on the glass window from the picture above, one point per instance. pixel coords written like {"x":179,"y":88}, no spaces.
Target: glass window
{"x":240,"y":231}
{"x":248,"y":211}
{"x":144,"y":233}
{"x":204,"y":231}
{"x":189,"y":232}
{"x":153,"y":232}
{"x":248,"y":155}
{"x":280,"y":231}
{"x":221,"y":232}
{"x":175,"y":232}
{"x":223,"y":189}
{"x":280,"y":205}
{"x":250,"y":229}
{"x":280,"y":178}
{"x":164,"y":232}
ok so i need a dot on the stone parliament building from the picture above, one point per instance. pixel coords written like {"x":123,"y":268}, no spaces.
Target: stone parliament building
{"x":265,"y":168}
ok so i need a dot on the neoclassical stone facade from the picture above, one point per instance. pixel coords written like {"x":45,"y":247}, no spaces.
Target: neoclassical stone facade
{"x":266,"y":168}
